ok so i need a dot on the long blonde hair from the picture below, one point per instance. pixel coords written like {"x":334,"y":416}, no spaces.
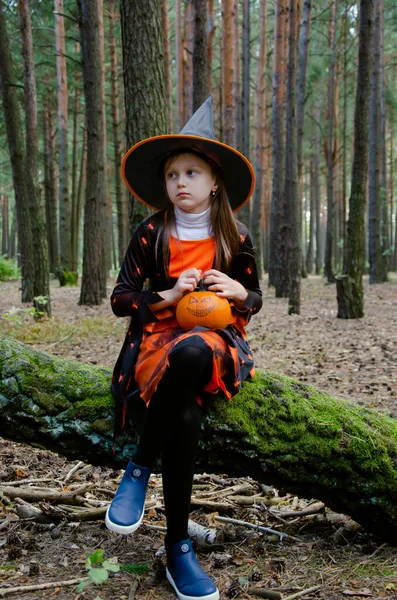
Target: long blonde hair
{"x":223,"y":223}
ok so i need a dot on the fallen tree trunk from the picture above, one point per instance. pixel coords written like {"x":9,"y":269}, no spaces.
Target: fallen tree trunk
{"x":276,"y":430}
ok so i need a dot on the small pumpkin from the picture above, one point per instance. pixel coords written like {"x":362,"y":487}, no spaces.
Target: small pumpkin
{"x":205,"y":308}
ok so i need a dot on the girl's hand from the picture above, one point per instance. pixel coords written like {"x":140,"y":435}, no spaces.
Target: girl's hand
{"x":187,"y":282}
{"x":225,"y":287}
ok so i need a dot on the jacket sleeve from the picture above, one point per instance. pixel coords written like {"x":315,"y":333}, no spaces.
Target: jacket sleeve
{"x":129,"y":297}
{"x":244,"y":270}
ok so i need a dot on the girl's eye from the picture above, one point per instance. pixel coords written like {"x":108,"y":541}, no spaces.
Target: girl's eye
{"x":191,"y":171}
{"x":170,"y":175}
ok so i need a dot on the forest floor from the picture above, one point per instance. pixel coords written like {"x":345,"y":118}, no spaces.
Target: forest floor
{"x":353,"y":359}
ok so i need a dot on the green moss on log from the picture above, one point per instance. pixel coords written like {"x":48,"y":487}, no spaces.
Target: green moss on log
{"x":276,"y":429}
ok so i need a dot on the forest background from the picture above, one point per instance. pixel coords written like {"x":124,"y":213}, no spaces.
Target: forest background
{"x":308,"y":92}
{"x":292,"y":87}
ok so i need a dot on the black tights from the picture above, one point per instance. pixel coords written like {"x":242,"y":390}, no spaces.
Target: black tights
{"x":172,"y":428}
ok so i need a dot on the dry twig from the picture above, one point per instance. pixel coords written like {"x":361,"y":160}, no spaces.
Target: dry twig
{"x":280,"y":534}
{"x":24,"y":589}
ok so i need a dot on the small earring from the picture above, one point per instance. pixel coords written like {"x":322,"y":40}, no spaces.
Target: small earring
{"x":213,"y":193}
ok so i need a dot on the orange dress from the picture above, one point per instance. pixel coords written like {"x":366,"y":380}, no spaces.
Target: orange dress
{"x":153,"y":335}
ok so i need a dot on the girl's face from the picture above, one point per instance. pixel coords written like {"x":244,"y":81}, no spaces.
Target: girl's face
{"x":189,"y":182}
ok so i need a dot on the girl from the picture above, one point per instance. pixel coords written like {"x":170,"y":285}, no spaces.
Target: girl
{"x":195,"y":183}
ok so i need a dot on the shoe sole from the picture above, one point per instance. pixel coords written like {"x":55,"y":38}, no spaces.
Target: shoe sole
{"x":123,"y":529}
{"x":213,"y":596}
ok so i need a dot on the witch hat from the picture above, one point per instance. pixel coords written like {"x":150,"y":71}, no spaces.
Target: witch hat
{"x":143,"y":165}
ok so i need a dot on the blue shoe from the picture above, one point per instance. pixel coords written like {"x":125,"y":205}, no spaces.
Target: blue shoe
{"x":125,"y":513}
{"x":185,"y":574}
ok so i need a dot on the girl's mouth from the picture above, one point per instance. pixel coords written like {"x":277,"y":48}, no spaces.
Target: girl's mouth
{"x":182,"y":195}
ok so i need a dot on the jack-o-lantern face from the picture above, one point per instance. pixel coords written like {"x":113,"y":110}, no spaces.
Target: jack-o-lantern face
{"x":200,"y":306}
{"x":203,"y":308}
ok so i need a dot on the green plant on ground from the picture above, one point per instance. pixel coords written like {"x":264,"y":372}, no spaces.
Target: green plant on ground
{"x":98,"y":570}
{"x":8,"y":269}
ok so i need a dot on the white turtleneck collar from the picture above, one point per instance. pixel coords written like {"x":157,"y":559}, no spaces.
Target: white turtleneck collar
{"x":192,"y":226}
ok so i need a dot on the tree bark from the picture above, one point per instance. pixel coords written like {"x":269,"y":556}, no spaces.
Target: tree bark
{"x":319,"y":254}
{"x":210,"y":43}
{"x":120,"y":197}
{"x":49,"y":184}
{"x":5,"y":246}
{"x":260,"y":199}
{"x":375,"y":161}
{"x":41,"y":286}
{"x":350,"y":294}
{"x":167,"y":59}
{"x":331,"y":157}
{"x":187,"y":59}
{"x":277,"y":430}
{"x":228,"y":70}
{"x":95,"y":197}
{"x":17,"y":157}
{"x":292,"y":205}
{"x":75,"y":220}
{"x":200,"y":54}
{"x":144,"y":78}
{"x":65,"y":209}
{"x":278,"y":112}
{"x":178,"y":65}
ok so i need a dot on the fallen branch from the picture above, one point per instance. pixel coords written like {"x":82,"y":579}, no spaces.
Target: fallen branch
{"x":303,"y":592}
{"x":24,"y":589}
{"x":214,"y":506}
{"x":34,"y":495}
{"x":133,"y":589}
{"x":264,"y":593}
{"x":280,"y":534}
{"x":313,"y":509}
{"x":73,"y":471}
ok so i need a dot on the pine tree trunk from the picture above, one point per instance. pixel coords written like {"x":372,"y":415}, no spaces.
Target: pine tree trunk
{"x":276,"y":430}
{"x":178,"y":65}
{"x":91,"y":288}
{"x":167,"y":58}
{"x":260,"y":194}
{"x":200,"y":54}
{"x":385,"y":240}
{"x":319,"y":254}
{"x":120,"y":197}
{"x":106,"y":209}
{"x":350,"y":294}
{"x":304,"y":39}
{"x":228,"y":74}
{"x":245,"y":90}
{"x":75,"y":161}
{"x":331,"y":157}
{"x":144,"y":77}
{"x":344,"y":131}
{"x":17,"y":156}
{"x":278,"y":111}
{"x":188,"y":48}
{"x":41,"y":286}
{"x":292,"y":205}
{"x":50,"y":186}
{"x":375,"y":161}
{"x":393,"y":217}
{"x":309,"y":253}
{"x":65,"y":209}
{"x":5,"y":248}
{"x":210,"y":43}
